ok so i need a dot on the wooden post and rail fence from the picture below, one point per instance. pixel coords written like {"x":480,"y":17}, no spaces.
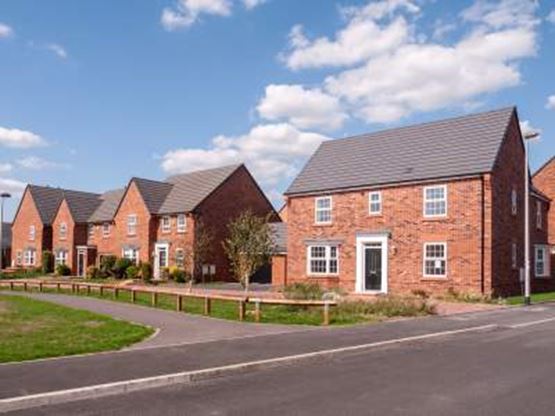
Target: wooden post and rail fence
{"x":180,"y":297}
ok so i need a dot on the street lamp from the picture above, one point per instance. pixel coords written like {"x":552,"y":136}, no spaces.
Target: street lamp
{"x":527,"y":138}
{"x":3,"y":196}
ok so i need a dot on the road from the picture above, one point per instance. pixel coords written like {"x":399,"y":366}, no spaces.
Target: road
{"x":509,"y":370}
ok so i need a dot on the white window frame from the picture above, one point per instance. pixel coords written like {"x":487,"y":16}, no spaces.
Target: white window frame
{"x":377,"y":202}
{"x":425,"y":258}
{"x":132,"y":221}
{"x":318,"y":210}
{"x":539,"y":216}
{"x":106,"y":229}
{"x":179,"y":252}
{"x":327,"y":259}
{"x":63,"y":231}
{"x":545,"y":261}
{"x":181,"y":223}
{"x":32,"y":233}
{"x":61,"y":257}
{"x":19,"y":258}
{"x":426,"y":200}
{"x":90,"y":231}
{"x":514,"y":202}
{"x":131,"y":254}
{"x":166,"y":224}
{"x":514,"y":256}
{"x":29,"y":257}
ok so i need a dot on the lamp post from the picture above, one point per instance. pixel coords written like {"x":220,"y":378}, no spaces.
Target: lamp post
{"x":527,"y":138}
{"x":3,"y":196}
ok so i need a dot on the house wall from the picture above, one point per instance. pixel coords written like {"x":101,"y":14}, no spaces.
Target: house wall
{"x":177,"y":240}
{"x":279,"y":270}
{"x":236,"y":195}
{"x":544,"y":180}
{"x":68,"y":243}
{"x":105,"y":245}
{"x":402,"y":217}
{"x":28,"y":215}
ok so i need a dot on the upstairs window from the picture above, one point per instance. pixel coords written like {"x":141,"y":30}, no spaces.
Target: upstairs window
{"x":514,"y":202}
{"x":435,"y":260}
{"x":323,"y":260}
{"x":542,"y":261}
{"x":435,"y":201}
{"x":32,"y":232}
{"x":375,"y":203}
{"x":539,"y":219}
{"x":181,"y":223}
{"x":63,"y":231}
{"x":323,"y":207}
{"x":91,"y":231}
{"x":132,"y":224}
{"x":106,"y":229}
{"x":166,"y":224}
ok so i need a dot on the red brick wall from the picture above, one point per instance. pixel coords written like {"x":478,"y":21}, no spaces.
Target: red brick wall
{"x":236,"y":195}
{"x":105,"y":245}
{"x":402,"y":217}
{"x":177,"y":240}
{"x":279,"y":270}
{"x":544,"y":180}
{"x":26,"y":216}
{"x":68,"y":243}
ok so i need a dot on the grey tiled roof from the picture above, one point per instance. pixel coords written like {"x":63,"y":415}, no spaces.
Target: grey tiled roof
{"x":109,"y":204}
{"x":47,"y":201}
{"x":453,"y":147}
{"x":82,"y":204}
{"x":190,"y":189}
{"x":279,"y":236}
{"x":6,"y":235}
{"x":154,"y":193}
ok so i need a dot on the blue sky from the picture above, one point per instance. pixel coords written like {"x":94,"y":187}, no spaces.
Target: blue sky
{"x":96,"y":91}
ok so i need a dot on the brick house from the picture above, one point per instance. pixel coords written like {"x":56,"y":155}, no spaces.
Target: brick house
{"x":544,"y":181}
{"x":433,"y":207}
{"x":6,"y":244}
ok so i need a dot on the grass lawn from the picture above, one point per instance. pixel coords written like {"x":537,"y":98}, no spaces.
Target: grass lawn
{"x":536,"y":297}
{"x":31,"y":329}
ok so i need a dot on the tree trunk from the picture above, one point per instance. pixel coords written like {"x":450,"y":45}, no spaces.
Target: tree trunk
{"x":246,"y":283}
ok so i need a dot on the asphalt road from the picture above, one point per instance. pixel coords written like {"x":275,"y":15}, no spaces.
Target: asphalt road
{"x":507,"y":371}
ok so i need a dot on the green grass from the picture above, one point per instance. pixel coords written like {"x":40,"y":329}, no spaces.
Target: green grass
{"x":31,"y":329}
{"x":536,"y":297}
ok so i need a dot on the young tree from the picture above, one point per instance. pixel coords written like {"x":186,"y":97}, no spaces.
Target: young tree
{"x":202,"y":248}
{"x":249,"y":246}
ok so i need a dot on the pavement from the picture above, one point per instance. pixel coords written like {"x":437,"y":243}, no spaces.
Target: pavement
{"x":508,"y":371}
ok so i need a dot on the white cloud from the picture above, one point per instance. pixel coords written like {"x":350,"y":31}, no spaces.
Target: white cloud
{"x":57,"y":49}
{"x":20,"y":139}
{"x":5,"y":167}
{"x":363,"y":37}
{"x":551,"y":17}
{"x":5,"y":31}
{"x":526,"y":128}
{"x":304,"y":108}
{"x":502,"y":13}
{"x":442,"y":28}
{"x":187,"y":12}
{"x":550,"y":102}
{"x":251,"y":4}
{"x":273,"y":152}
{"x":12,"y":186}
{"x":38,"y":163}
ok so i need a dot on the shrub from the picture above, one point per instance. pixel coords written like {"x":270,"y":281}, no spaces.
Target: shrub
{"x":180,"y":276}
{"x":146,"y":272}
{"x":303,"y":291}
{"x":165,"y":273}
{"x":120,"y":267}
{"x":468,"y":297}
{"x":106,"y":265}
{"x":63,"y":270}
{"x":132,"y":272}
{"x":47,"y":262}
{"x":386,"y":306}
{"x":93,"y":272}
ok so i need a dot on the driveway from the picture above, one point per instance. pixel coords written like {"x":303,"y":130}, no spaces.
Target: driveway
{"x":173,"y":328}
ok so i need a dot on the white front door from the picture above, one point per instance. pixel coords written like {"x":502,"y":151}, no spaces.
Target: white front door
{"x":161,"y":252}
{"x":372,"y":267}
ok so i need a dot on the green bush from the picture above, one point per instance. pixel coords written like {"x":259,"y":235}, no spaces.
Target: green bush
{"x":132,"y":272}
{"x":180,"y":276}
{"x":47,"y":262}
{"x":63,"y":270}
{"x":106,"y":265}
{"x":386,"y":306}
{"x":93,"y":272}
{"x":120,"y":267}
{"x":303,"y":291}
{"x":146,"y":272}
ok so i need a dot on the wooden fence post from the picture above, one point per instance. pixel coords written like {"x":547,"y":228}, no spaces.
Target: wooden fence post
{"x":58,"y":288}
{"x":257,"y":310}
{"x":326,"y":314}
{"x":207,"y":305}
{"x":241,"y":310}
{"x":88,"y":290}
{"x":40,"y":286}
{"x":25,"y":286}
{"x":179,"y":303}
{"x":11,"y":285}
{"x":101,"y":290}
{"x":133,"y":296}
{"x":116,"y":293}
{"x":154,"y":299}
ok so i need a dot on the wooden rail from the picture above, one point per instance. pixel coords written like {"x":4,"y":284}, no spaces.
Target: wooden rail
{"x":180,"y":297}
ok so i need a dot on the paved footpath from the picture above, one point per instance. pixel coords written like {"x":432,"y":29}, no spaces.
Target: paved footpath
{"x":71,"y":372}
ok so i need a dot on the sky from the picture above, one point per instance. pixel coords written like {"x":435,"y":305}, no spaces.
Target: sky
{"x":94,"y":92}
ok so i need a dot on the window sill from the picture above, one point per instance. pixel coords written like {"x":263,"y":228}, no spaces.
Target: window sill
{"x":542,"y":277}
{"x":323,"y":276}
{"x":434,"y":219}
{"x":322,"y":224}
{"x":434,"y":278}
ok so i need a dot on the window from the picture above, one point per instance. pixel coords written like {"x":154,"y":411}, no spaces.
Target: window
{"x":514,"y":202}
{"x":181,"y":223}
{"x":323,"y":260}
{"x":29,"y":257}
{"x":106,"y":228}
{"x":539,"y":219}
{"x":323,"y":207}
{"x":542,"y":261}
{"x":514,"y":256}
{"x":61,"y":257}
{"x":435,"y":201}
{"x":132,"y":224}
{"x":131,"y":254}
{"x":375,"y":203}
{"x":19,"y":258}
{"x":166,"y":224}
{"x":32,"y":232}
{"x":180,"y":258}
{"x":63,"y":231}
{"x":435,"y":260}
